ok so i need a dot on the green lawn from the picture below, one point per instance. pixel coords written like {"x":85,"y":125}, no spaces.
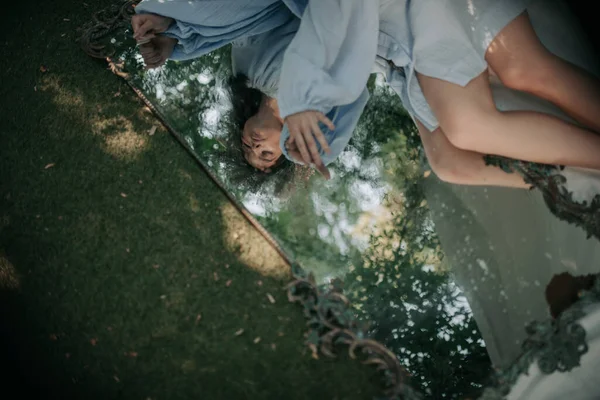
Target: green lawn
{"x":124,"y":271}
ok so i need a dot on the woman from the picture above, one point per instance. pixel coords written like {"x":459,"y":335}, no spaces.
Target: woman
{"x":193,"y":29}
{"x":440,"y":73}
{"x":440,"y":54}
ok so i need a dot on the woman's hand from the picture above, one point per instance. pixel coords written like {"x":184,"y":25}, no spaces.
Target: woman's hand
{"x":294,"y":153}
{"x":304,"y":129}
{"x":147,"y":26}
{"x":156,"y":52}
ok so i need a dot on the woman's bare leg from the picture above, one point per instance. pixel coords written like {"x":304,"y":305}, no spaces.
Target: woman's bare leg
{"x":522,"y":62}
{"x":463,"y":167}
{"x":470,"y":120}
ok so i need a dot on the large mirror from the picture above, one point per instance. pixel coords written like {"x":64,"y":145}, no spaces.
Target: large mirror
{"x":445,"y":276}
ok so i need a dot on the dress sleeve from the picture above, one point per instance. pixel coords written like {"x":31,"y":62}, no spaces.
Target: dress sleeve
{"x":202,"y":26}
{"x":331,"y":57}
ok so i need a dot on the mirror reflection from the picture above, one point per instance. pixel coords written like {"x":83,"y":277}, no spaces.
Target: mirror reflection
{"x":366,"y":138}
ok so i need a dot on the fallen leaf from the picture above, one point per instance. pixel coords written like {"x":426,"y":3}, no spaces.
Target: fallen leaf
{"x":49,"y":165}
{"x":127,"y":249}
{"x":273,"y":346}
{"x":215,"y":276}
{"x":569,"y":264}
{"x":280,"y":334}
{"x":238,"y":333}
{"x":66,"y":19}
{"x":156,"y":266}
{"x":426,"y":174}
{"x":60,"y":217}
{"x":109,"y":328}
{"x":198,"y":318}
{"x":271,"y":298}
{"x":117,"y":94}
{"x":67,"y":355}
{"x":116,"y":378}
{"x":228,"y":283}
{"x":314,"y":351}
{"x":63,"y":35}
{"x":35,"y":88}
{"x":93,"y":341}
{"x":53,"y":337}
{"x":140,"y":182}
{"x":153,"y":130}
{"x":226,"y":266}
{"x":123,"y":195}
{"x":257,"y":340}
{"x":132,"y":354}
{"x":164,"y":296}
{"x":259,"y":283}
{"x":43,"y":69}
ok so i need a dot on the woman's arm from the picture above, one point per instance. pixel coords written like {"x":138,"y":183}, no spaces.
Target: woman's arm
{"x":331,"y":57}
{"x":327,"y":65}
{"x":201,"y":26}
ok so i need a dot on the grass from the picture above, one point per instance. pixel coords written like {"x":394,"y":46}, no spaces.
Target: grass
{"x":124,"y":271}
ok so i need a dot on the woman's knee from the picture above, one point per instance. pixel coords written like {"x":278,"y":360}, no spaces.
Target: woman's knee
{"x":532,"y":74}
{"x":466,"y":129}
{"x":519,"y":58}
{"x":445,"y":169}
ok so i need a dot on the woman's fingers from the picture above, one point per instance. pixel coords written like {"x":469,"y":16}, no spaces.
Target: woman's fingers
{"x":299,"y":141}
{"x":148,"y":50}
{"x":136,"y":22}
{"x":309,"y":139}
{"x":323,"y":118}
{"x":295,"y":155}
{"x":156,"y":64}
{"x":155,"y":58}
{"x":318,"y":133}
{"x":145,"y":39}
{"x":151,"y":58}
{"x":143,"y":28}
{"x":324,"y":171}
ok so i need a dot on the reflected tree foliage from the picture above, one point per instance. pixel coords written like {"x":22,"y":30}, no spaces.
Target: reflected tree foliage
{"x":401,"y":283}
{"x":369,"y":225}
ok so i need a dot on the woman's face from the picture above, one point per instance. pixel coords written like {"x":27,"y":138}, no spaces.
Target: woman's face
{"x":260,"y":141}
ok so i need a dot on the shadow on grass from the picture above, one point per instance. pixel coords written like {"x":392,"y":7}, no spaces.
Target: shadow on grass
{"x":125,"y":272}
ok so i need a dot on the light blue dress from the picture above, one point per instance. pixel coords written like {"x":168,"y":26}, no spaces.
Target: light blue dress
{"x":340,"y":42}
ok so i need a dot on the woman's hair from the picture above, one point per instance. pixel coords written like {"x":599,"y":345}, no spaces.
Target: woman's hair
{"x":245,"y":103}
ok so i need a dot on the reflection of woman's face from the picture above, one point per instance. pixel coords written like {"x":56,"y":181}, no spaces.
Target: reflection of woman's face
{"x":260,"y":140}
